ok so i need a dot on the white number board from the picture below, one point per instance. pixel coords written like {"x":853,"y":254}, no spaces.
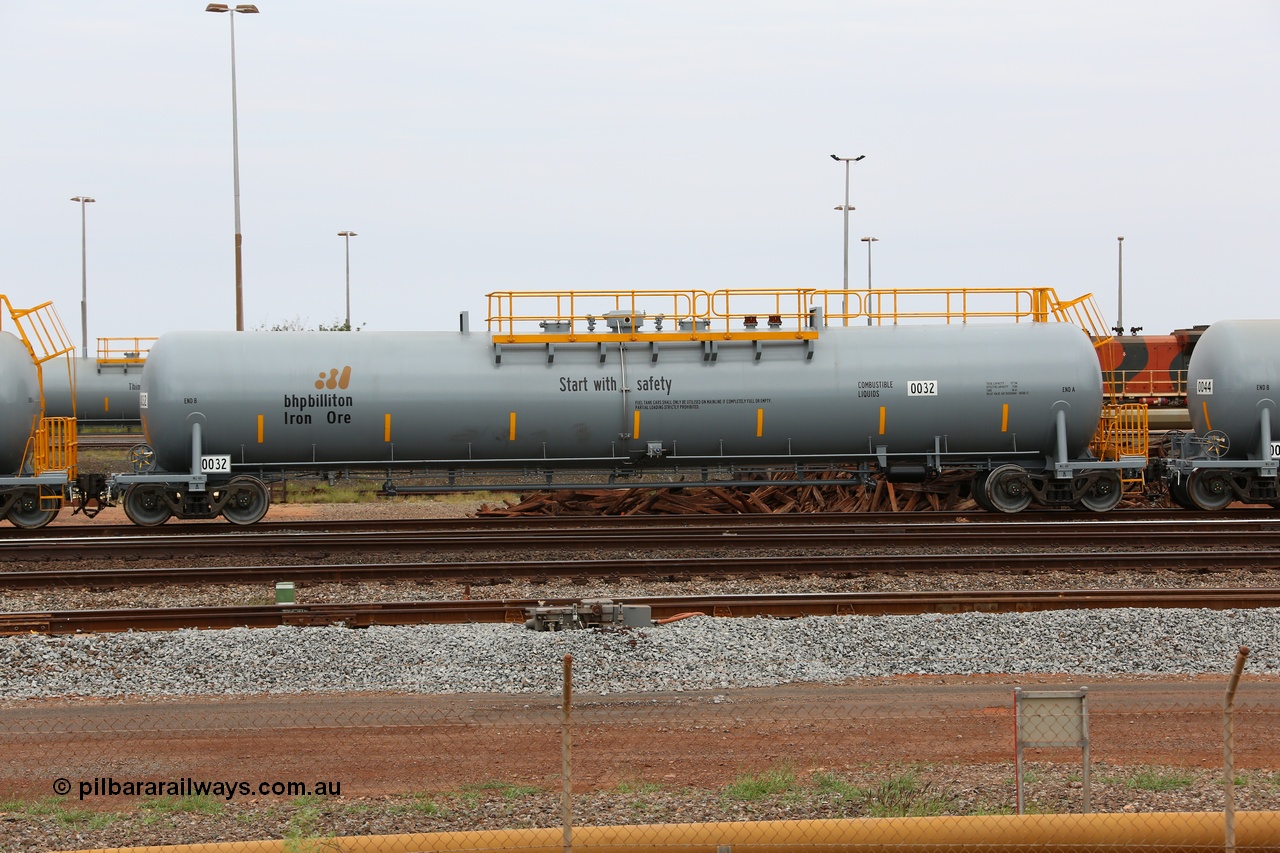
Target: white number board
{"x":142,"y":399}
{"x":215,"y":464}
{"x":1275,"y":450}
{"x":922,"y":388}
{"x":1204,"y":386}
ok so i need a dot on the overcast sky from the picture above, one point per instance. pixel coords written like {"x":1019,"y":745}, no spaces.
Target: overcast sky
{"x":478,"y":147}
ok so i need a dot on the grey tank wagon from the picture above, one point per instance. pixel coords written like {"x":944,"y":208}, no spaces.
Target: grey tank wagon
{"x":1233,"y":382}
{"x":1015,"y":404}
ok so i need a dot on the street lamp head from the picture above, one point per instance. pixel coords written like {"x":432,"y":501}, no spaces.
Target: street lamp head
{"x":843,"y":207}
{"x":848,"y":159}
{"x":223,"y":7}
{"x":83,"y":199}
{"x":348,"y":234}
{"x":1121,"y":239}
{"x":871,"y":239}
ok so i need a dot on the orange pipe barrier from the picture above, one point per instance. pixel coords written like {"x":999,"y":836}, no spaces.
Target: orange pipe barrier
{"x":1167,"y":832}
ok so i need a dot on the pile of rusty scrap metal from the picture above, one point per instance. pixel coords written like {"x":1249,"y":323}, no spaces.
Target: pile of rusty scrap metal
{"x":949,"y":492}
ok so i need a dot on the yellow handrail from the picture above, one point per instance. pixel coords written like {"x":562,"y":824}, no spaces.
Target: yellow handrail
{"x":124,"y":350}
{"x":728,"y":313}
{"x":53,"y":445}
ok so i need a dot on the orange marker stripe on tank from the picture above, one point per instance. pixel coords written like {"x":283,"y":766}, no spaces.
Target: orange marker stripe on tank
{"x":1004,"y":418}
{"x":106,"y":404}
{"x":386,"y":427}
{"x":759,"y":422}
{"x":259,"y":429}
{"x":512,"y":435}
{"x":635,"y":424}
{"x":1208,"y":426}
{"x":882,"y":420}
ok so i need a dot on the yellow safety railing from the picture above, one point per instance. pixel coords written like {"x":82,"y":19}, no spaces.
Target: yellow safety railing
{"x":1146,"y":383}
{"x":124,"y":350}
{"x":56,"y":446}
{"x":752,"y":314}
{"x":648,"y":315}
{"x":53,"y":445}
{"x":949,"y":305}
{"x":1122,"y":431}
{"x":1084,"y":313}
{"x":40,"y":329}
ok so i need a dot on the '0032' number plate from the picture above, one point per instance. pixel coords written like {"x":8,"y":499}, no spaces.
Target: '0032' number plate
{"x":215,"y":464}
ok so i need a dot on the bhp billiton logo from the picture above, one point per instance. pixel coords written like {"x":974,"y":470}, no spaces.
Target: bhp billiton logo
{"x":334,"y":379}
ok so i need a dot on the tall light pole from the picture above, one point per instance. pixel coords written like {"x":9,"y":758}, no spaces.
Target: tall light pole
{"x":869,"y":241}
{"x":846,"y":208}
{"x":1120,"y":287}
{"x":346,"y":236}
{"x":84,"y":280}
{"x":235,"y":149}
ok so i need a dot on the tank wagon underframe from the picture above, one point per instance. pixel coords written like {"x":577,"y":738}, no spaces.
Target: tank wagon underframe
{"x":1202,"y":474}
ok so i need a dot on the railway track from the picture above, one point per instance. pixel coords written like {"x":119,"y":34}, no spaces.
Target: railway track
{"x":666,"y":568}
{"x":1237,"y":518}
{"x":1249,"y":539}
{"x":513,"y":610}
{"x":117,"y":441}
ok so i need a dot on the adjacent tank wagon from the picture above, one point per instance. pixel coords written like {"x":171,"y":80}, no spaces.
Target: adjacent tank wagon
{"x":1233,"y":382}
{"x":106,"y":393}
{"x":19,"y":402}
{"x":1015,"y":404}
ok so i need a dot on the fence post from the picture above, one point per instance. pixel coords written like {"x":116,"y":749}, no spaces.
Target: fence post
{"x":1228,"y":748}
{"x":566,"y":747}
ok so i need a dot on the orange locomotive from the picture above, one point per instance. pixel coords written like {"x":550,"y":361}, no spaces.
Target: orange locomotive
{"x":1151,"y":369}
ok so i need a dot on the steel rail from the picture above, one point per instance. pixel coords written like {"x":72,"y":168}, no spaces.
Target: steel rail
{"x":109,"y":440}
{"x":1241,"y":518}
{"x":1128,"y":536}
{"x":512,"y":610}
{"x":661,"y":568}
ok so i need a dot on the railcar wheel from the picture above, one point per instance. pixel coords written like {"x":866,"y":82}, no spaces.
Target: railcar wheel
{"x":1104,"y":492}
{"x":978,"y":487}
{"x":1210,"y":490}
{"x":1007,"y":489}
{"x":29,"y":512}
{"x":1178,"y":494}
{"x":249,"y":501}
{"x":145,"y":505}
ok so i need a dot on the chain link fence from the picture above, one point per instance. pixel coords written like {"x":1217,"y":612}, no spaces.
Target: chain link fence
{"x":903,"y":764}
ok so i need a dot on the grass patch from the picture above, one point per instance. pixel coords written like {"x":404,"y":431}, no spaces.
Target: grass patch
{"x":86,"y":819}
{"x":1153,"y":779}
{"x":779,"y":779}
{"x":56,"y":808}
{"x":832,"y":785}
{"x":423,"y":804}
{"x":302,"y":835}
{"x":474,"y":793}
{"x":197,"y":804}
{"x":904,"y":795}
{"x":34,"y":808}
{"x":636,"y":786}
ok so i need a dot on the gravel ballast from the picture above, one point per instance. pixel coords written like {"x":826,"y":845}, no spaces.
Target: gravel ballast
{"x":694,"y":654}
